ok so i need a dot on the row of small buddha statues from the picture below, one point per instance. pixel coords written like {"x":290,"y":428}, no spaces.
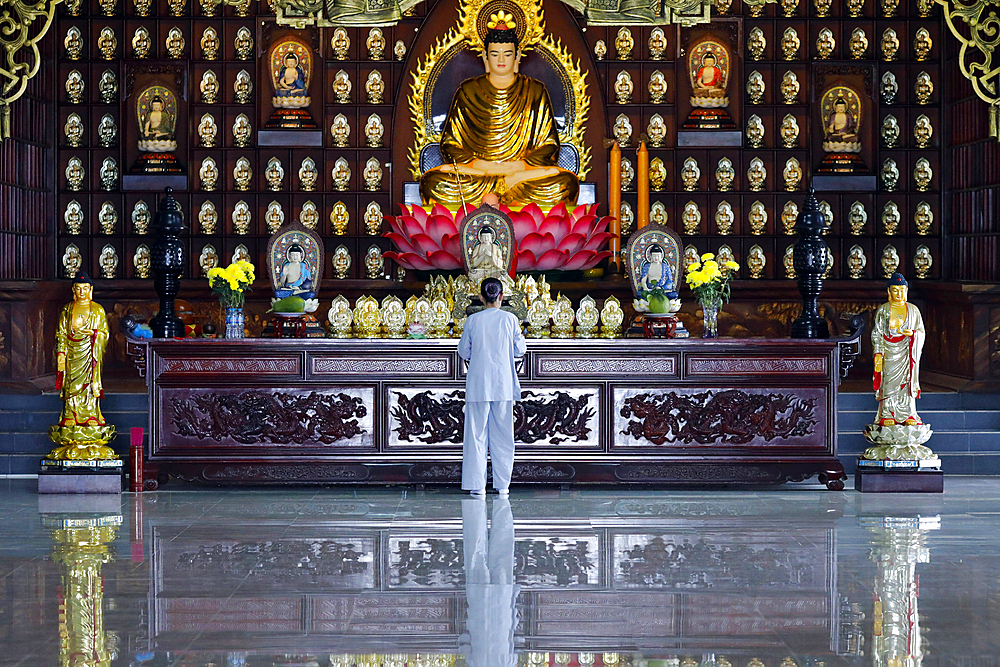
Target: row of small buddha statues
{"x":788,"y":131}
{"x":176,"y":8}
{"x":274,"y":175}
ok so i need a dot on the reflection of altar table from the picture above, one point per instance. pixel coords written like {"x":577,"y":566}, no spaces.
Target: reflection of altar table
{"x":612,"y":411}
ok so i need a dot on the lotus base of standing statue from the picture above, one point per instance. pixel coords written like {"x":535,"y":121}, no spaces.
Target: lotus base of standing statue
{"x":898,"y":442}
{"x":82,"y":443}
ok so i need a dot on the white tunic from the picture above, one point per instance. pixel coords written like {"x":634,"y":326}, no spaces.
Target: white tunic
{"x":490,"y":341}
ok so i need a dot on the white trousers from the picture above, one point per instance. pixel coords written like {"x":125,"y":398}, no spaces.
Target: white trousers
{"x":489,"y":426}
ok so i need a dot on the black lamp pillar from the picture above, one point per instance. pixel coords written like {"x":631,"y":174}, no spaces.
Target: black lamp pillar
{"x":810,"y":257}
{"x":168,"y":264}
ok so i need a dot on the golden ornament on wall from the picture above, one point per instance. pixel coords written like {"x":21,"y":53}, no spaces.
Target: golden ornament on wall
{"x":209,"y":44}
{"x":241,"y":218}
{"x":309,"y":215}
{"x":74,"y":174}
{"x":73,"y":43}
{"x":372,"y":175}
{"x":375,"y":44}
{"x":756,"y":174}
{"x":339,"y":218}
{"x":790,"y":44}
{"x":624,"y":44}
{"x":822,"y":8}
{"x":690,"y":174}
{"x":827,"y":212}
{"x":922,"y":44}
{"x":789,"y":7}
{"x":375,"y":88}
{"x":209,"y":87}
{"x":243,"y":44}
{"x":657,"y":87}
{"x":623,"y":88}
{"x":107,"y":43}
{"x":789,"y":216}
{"x":175,"y":43}
{"x":374,"y":263}
{"x":176,"y":7}
{"x":627,"y":174}
{"x":755,"y":87}
{"x":858,"y":45}
{"x":108,"y":261}
{"x":207,"y":131}
{"x":374,"y":131}
{"x":757,"y":218}
{"x":141,"y":44}
{"x":72,"y":260}
{"x":788,"y":262}
{"x":107,"y":131}
{"x":657,"y":43}
{"x":308,"y":175}
{"x":73,"y":218}
{"x":889,"y":8}
{"x":825,"y":44}
{"x":888,"y":88}
{"x":724,"y":218}
{"x":242,"y":131}
{"x":626,"y":217}
{"x":242,"y":174}
{"x":923,"y":131}
{"x":243,"y":87}
{"x":756,"y":43}
{"x":890,"y":45}
{"x":73,"y":130}
{"x":141,"y":261}
{"x":857,"y":218}
{"x":856,"y":262}
{"x":373,"y":219}
{"x":340,"y":44}
{"x":340,"y":131}
{"x":792,"y":174}
{"x":600,"y":50}
{"x":341,"y":174}
{"x":657,"y":174}
{"x":855,"y":8}
{"x":890,"y":131}
{"x":208,"y":174}
{"x":208,"y":217}
{"x":342,"y":267}
{"x":658,"y":213}
{"x":342,"y":87}
{"x":922,"y":262}
{"x":399,"y":50}
{"x":789,"y":131}
{"x":974,"y":24}
{"x":656,"y":131}
{"x":923,"y":218}
{"x":924,"y":88}
{"x":922,"y":175}
{"x":691,"y":218}
{"x":274,"y":174}
{"x":890,"y":218}
{"x":107,"y":218}
{"x":724,"y":175}
{"x":756,"y":261}
{"x":74,"y":87}
{"x":109,"y":174}
{"x":790,"y":88}
{"x":240,"y":254}
{"x":890,"y":175}
{"x":623,"y":130}
{"x":108,"y":87}
{"x":889,"y":261}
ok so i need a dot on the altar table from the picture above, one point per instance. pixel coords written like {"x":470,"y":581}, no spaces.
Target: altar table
{"x":365,"y":411}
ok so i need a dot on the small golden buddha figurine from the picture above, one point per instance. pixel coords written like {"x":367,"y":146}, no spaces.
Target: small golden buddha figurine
{"x":790,"y":44}
{"x":342,"y":87}
{"x":890,"y":132}
{"x":789,"y":7}
{"x":108,"y":261}
{"x":855,"y":8}
{"x":890,"y":175}
{"x":788,"y":262}
{"x":374,"y":263}
{"x":890,"y":45}
{"x":242,"y":174}
{"x":308,"y":175}
{"x":374,"y":131}
{"x":309,"y":215}
{"x":243,"y":44}
{"x":792,"y":173}
{"x":241,"y":218}
{"x":600,"y":50}
{"x":73,"y":43}
{"x":373,"y":219}
{"x":241,"y":254}
{"x":209,"y":8}
{"x":656,"y":131}
{"x":208,"y":217}
{"x":627,"y":218}
{"x":242,"y":131}
{"x":81,"y":339}
{"x":756,"y":174}
{"x":756,"y":9}
{"x":73,"y":218}
{"x":108,"y":87}
{"x":691,"y":218}
{"x":208,"y":174}
{"x":755,"y":87}
{"x":829,"y":264}
{"x":207,"y":131}
{"x":924,"y":88}
{"x":890,"y":218}
{"x":789,"y":131}
{"x":757,"y":218}
{"x":856,"y":262}
{"x":724,"y":218}
{"x":375,"y":44}
{"x":624,"y":44}
{"x":341,"y":262}
{"x":176,"y":7}
{"x":175,"y":43}
{"x":922,"y":175}
{"x":691,"y":257}
{"x":724,"y":175}
{"x":208,"y":259}
{"x":74,"y":87}
{"x":73,"y":130}
{"x":756,"y":261}
{"x":923,"y":218}
{"x":922,"y":262}
{"x":723,"y":6}
{"x":372,"y":175}
{"x":538,"y":320}
{"x":756,"y":43}
{"x":274,"y":217}
{"x":73,"y":7}
{"x":367,"y":316}
{"x":611,"y":318}
{"x":755,"y":131}
{"x":74,"y":174}
{"x":657,"y":87}
{"x":623,"y":130}
{"x":889,"y":8}
{"x":627,"y":174}
{"x":825,"y":44}
{"x":72,"y":260}
{"x":399,"y":50}
{"x":690,"y":174}
{"x":889,"y":261}
{"x":107,"y":43}
{"x":243,"y":87}
{"x":657,"y":174}
{"x":242,"y":8}
{"x":827,"y":212}
{"x":658,"y":213}
{"x":209,"y":44}
{"x":209,"y":87}
{"x":140,"y":218}
{"x":341,"y":174}
{"x":340,"y":44}
{"x":858,"y":45}
{"x":107,"y":131}
{"x":623,"y":88}
{"x":107,"y":218}
{"x":563,"y":318}
{"x":789,"y":216}
{"x":339,"y":218}
{"x":657,"y":43}
{"x":141,"y":44}
{"x":587,"y":318}
{"x":109,"y":174}
{"x":888,"y":88}
{"x":857,"y":218}
{"x":924,"y":8}
{"x":141,"y":262}
{"x":922,"y":131}
{"x":822,"y":8}
{"x":274,"y":174}
{"x":393,"y":315}
{"x":340,"y":316}
{"x":790,"y":88}
{"x":724,"y":256}
{"x":375,"y":88}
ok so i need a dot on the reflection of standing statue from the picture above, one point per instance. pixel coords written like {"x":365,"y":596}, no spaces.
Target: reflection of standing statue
{"x":81,"y":337}
{"x":840,"y":108}
{"x":290,"y":63}
{"x":708,"y":68}
{"x":500,"y":135}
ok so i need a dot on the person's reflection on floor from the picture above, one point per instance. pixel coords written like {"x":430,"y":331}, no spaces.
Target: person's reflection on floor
{"x":489,"y":584}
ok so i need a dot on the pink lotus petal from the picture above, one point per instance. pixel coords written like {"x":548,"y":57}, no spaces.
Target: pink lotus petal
{"x":444,"y":261}
{"x":523,"y":223}
{"x":558,"y":211}
{"x":401,"y":242}
{"x":395,"y":225}
{"x":596,"y":241}
{"x":506,"y":209}
{"x":572,"y":243}
{"x":526,"y":260}
{"x":558,"y":227}
{"x":535,"y":213}
{"x":414,"y":261}
{"x":585,"y":225}
{"x":578,"y":212}
{"x":404,"y":209}
{"x":438,"y":209}
{"x":594,"y":259}
{"x":411,"y":225}
{"x":537,"y":243}
{"x":592,"y":209}
{"x":425,"y":244}
{"x":420,"y":214}
{"x":451,"y":244}
{"x":601,"y":225}
{"x":551,"y":259}
{"x":461,"y":213}
{"x":439,"y":225}
{"x":579,"y":261}
{"x":399,"y":258}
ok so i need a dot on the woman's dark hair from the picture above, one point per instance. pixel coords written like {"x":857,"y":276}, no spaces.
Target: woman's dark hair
{"x":494,"y":36}
{"x":491,"y":290}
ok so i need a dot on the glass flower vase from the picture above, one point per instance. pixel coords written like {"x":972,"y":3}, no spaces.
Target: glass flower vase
{"x":234,"y":323}
{"x":710,"y":315}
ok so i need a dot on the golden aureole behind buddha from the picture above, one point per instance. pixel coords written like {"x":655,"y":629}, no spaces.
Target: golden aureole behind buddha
{"x":708,"y":68}
{"x":156,"y":114}
{"x":841,"y":111}
{"x":290,"y":65}
{"x":500,"y":133}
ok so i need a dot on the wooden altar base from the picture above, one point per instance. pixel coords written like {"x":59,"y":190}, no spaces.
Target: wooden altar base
{"x":630,"y":411}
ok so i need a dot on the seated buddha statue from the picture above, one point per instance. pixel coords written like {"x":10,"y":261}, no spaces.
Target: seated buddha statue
{"x":500,"y":135}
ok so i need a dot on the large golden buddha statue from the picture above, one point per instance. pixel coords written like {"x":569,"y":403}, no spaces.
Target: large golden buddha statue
{"x":500,"y":135}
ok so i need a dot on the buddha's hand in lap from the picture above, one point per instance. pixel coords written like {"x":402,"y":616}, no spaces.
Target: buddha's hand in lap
{"x":499,"y":168}
{"x":529,"y":174}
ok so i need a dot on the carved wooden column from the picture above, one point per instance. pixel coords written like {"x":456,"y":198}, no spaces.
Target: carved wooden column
{"x":168,"y":263}
{"x":810,"y":256}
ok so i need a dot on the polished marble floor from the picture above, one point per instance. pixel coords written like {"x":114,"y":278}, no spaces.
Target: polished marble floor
{"x":392,"y":577}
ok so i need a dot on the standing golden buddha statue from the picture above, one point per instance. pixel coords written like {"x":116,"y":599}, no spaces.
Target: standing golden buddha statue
{"x":81,"y":338}
{"x":500,"y":134}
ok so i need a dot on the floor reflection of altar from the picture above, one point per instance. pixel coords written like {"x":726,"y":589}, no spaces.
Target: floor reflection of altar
{"x":597,"y":411}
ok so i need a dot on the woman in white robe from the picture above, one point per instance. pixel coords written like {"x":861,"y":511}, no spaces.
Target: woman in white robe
{"x":897,"y":339}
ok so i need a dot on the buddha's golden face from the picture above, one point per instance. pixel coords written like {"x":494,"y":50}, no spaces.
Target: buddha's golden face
{"x":501,"y":59}
{"x":82,"y":292}
{"x":897,"y":293}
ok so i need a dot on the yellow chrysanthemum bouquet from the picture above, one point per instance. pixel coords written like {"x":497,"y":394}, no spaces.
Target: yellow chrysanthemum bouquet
{"x":709,"y":280}
{"x":230,"y":283}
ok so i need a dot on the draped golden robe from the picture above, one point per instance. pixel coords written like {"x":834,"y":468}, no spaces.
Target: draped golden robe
{"x":507,"y":125}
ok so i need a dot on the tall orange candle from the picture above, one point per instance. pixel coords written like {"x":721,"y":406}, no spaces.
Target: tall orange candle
{"x":615,"y":205}
{"x":642,"y":173}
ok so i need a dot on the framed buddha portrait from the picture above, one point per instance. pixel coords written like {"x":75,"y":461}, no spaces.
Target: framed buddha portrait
{"x":654,"y":257}
{"x":487,"y":238}
{"x":295,"y":261}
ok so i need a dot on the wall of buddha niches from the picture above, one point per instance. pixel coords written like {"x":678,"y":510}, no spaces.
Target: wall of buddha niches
{"x":202,"y":76}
